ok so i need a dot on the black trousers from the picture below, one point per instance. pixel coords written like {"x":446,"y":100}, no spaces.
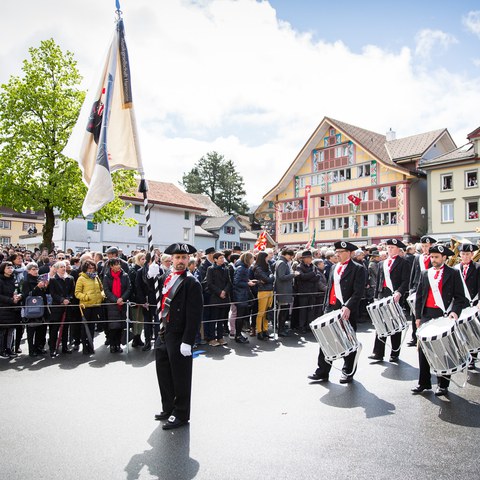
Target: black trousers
{"x":305,"y":312}
{"x":56,"y":319}
{"x":36,"y":333}
{"x":92,"y":316}
{"x":174,"y":375}
{"x":424,"y":377}
{"x":243,"y":314}
{"x":283,"y":310}
{"x":349,"y":367}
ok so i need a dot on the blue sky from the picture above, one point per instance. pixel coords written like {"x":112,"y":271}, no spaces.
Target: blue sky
{"x":252,"y":79}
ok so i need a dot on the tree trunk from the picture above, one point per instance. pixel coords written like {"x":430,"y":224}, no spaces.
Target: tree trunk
{"x":48,"y":229}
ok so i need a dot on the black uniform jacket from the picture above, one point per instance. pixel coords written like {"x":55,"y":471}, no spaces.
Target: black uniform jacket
{"x":415,"y":274}
{"x":399,"y":274}
{"x":352,"y":284}
{"x":186,"y":309}
{"x":473,"y":279}
{"x":452,"y":289}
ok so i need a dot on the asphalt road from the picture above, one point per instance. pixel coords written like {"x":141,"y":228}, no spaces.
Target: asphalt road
{"x":255,"y":415}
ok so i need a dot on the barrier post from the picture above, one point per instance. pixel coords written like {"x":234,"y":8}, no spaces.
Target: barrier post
{"x":127,"y":334}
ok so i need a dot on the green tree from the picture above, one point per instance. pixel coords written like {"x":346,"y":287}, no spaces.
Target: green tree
{"x":37,"y":114}
{"x":218,"y":178}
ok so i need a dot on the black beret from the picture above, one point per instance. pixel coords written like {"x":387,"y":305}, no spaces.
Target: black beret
{"x":180,"y":248}
{"x":237,"y":248}
{"x":397,"y":243}
{"x":427,"y":239}
{"x":113,"y":250}
{"x":345,"y":246}
{"x":209,"y":250}
{"x":440,"y":249}
{"x":306,"y":253}
{"x":467,"y":247}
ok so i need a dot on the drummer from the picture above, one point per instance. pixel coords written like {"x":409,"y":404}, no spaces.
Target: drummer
{"x":470,"y":271}
{"x":439,"y":287}
{"x":346,"y":286}
{"x":393,"y":278}
{"x":421,"y":262}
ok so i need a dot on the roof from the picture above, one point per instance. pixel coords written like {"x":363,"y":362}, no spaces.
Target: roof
{"x":213,"y":210}
{"x":248,"y":236}
{"x":372,"y":142}
{"x":413,"y":146}
{"x":163,"y":193}
{"x":215,"y":223}
{"x":474,"y":134}
{"x":465,"y":152}
{"x":200,"y":232}
{"x":27,"y":215}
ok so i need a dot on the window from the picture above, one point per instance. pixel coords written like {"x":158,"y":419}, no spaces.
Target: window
{"x":96,"y":227}
{"x":472,"y":209}
{"x":137,"y":208}
{"x":303,"y":182}
{"x":270,"y":205}
{"x":365,"y":221}
{"x":141,"y":230}
{"x":5,"y":240}
{"x":332,"y":132}
{"x":322,"y":225}
{"x":393,"y":191}
{"x":446,"y":182}
{"x":294,"y":227}
{"x":186,"y":215}
{"x":27,"y":225}
{"x":363,"y":170}
{"x":338,"y":152}
{"x":471,"y":179}
{"x":292,"y":206}
{"x":186,"y":234}
{"x":5,"y":224}
{"x":229,"y":230}
{"x":447,"y":212}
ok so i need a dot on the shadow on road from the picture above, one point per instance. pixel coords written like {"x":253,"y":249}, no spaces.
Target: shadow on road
{"x":169,"y":457}
{"x":355,"y":395}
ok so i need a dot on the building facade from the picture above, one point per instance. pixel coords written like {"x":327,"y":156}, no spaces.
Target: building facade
{"x":454,"y":192}
{"x":14,"y":226}
{"x":353,"y":184}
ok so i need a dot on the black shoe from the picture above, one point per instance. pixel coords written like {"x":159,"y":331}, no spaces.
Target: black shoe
{"x":18,"y":350}
{"x":162,"y":415}
{"x":33,"y":354}
{"x":112,"y":349}
{"x":4,"y":354}
{"x":412,"y":343}
{"x":241,"y":339}
{"x":76,"y":348}
{"x":318,"y":378}
{"x":420,"y":389}
{"x":67,"y":350}
{"x":118,"y":349}
{"x":283,"y":333}
{"x":261,"y":337}
{"x":266,"y":336}
{"x":10,"y":353}
{"x":471,"y":366}
{"x":174,"y":422}
{"x":53,"y":353}
{"x":147,"y":347}
{"x":378,"y":358}
{"x":394,"y":358}
{"x":41,"y":351}
{"x":440,"y":392}
{"x":346,"y":378}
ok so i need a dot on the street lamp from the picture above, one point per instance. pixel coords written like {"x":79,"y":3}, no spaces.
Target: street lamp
{"x":88,"y":242}
{"x":422,"y":212}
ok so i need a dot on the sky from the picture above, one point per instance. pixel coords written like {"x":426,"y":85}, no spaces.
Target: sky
{"x":253,"y":79}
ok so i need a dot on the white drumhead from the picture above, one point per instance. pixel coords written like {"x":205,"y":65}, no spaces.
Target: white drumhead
{"x":436,"y":327}
{"x":326,"y":319}
{"x":468,"y":313}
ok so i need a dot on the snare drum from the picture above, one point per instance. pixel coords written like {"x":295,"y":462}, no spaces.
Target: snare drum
{"x":443,"y":346}
{"x":411,"y":301}
{"x":387,"y":316}
{"x":336,"y":337}
{"x":469,"y":326}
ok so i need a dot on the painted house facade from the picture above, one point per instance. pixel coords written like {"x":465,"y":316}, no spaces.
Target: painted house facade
{"x":354,"y":184}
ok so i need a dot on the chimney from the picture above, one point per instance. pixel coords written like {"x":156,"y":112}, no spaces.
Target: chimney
{"x":391,"y":135}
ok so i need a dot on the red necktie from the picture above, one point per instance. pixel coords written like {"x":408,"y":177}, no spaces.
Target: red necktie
{"x":465,"y":270}
{"x":426,"y":260}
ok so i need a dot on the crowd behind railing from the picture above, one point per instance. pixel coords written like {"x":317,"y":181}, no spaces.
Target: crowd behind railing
{"x":61,"y":300}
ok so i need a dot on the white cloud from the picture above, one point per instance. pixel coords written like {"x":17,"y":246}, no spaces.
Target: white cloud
{"x":472,"y":22}
{"x":427,"y":40}
{"x":228,"y":76}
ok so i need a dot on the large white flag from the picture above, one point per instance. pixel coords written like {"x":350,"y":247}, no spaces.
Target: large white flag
{"x":109,"y":141}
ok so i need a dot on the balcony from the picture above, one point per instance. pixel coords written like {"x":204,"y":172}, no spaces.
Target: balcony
{"x":297,"y":215}
{"x":335,"y":210}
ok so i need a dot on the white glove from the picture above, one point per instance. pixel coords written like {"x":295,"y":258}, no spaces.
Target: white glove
{"x":153,"y":270}
{"x":186,"y":349}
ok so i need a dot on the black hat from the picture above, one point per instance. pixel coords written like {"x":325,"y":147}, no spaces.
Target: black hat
{"x":467,"y":247}
{"x":306,"y":253}
{"x":345,"y":245}
{"x":287,"y":251}
{"x":180,"y":248}
{"x":209,"y":250}
{"x":397,"y":243}
{"x":427,"y":239}
{"x":440,"y":249}
{"x":113,"y":250}
{"x":374,"y":253}
{"x":237,"y":248}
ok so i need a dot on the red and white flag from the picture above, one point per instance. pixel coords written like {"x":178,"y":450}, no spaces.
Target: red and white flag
{"x":306,"y":204}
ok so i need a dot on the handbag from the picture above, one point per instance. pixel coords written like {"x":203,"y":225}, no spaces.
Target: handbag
{"x":34,"y":307}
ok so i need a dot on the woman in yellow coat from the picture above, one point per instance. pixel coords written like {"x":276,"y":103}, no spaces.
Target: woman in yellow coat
{"x":89,"y":291}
